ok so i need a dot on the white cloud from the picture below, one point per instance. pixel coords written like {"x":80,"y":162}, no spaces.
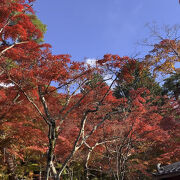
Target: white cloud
{"x":106,"y":76}
{"x":91,"y":62}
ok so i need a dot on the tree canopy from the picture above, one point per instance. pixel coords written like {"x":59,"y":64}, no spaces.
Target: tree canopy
{"x":84,"y":127}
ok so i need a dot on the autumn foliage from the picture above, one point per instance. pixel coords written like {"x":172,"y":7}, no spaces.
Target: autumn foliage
{"x":57,"y":115}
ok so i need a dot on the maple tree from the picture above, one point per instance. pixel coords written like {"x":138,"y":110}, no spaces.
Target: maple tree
{"x":79,"y":119}
{"x":30,"y":72}
{"x":163,"y":137}
{"x":165,"y":53}
{"x":133,"y":116}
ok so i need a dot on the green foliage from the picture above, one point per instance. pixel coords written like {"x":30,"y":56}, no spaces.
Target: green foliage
{"x":171,"y":85}
{"x":42,"y":27}
{"x":141,"y":79}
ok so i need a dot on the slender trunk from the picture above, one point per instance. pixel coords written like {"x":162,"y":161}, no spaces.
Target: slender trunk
{"x":76,"y":146}
{"x":86,"y":164}
{"x":50,"y":154}
{"x":40,"y":173}
{"x":11,"y":166}
{"x":51,"y":136}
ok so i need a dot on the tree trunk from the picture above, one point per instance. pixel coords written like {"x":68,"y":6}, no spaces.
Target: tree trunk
{"x":51,"y":148}
{"x":11,"y":166}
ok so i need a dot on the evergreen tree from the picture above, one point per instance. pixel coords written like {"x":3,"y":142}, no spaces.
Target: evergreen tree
{"x":142,"y":78}
{"x":171,"y":85}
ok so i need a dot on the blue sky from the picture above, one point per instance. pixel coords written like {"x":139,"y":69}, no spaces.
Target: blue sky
{"x":92,"y":28}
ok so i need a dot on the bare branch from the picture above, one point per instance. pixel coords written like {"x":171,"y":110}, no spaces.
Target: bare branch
{"x":76,"y":145}
{"x":43,"y":101}
{"x":30,"y":100}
